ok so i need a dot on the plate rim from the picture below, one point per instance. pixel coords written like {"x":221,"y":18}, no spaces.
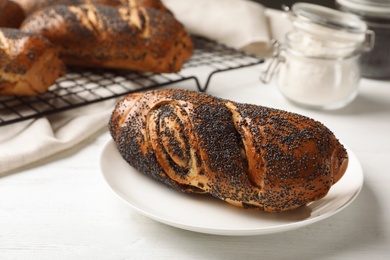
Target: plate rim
{"x":230,"y":231}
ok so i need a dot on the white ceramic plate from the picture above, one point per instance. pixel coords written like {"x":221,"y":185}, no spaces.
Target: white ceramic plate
{"x":205,"y":214}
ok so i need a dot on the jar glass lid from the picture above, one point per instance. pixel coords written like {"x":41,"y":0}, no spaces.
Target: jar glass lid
{"x":328,"y":17}
{"x":375,"y":7}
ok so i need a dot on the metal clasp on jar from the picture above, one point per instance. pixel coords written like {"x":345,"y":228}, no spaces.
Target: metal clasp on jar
{"x":273,"y":63}
{"x":369,"y":41}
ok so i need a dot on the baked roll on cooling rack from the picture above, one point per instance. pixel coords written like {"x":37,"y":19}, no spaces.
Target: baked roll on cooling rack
{"x":29,"y":63}
{"x":140,"y":38}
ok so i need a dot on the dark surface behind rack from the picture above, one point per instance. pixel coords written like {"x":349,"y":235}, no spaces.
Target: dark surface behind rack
{"x":86,"y":86}
{"x":277,"y":4}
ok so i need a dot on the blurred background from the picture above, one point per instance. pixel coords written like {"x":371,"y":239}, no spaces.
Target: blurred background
{"x":276,"y":4}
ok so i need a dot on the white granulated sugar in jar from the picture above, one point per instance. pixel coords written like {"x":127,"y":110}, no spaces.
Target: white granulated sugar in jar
{"x":319,"y":82}
{"x":312,"y":75}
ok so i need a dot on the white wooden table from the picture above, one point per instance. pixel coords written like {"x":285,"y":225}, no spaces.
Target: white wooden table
{"x":61,"y":208}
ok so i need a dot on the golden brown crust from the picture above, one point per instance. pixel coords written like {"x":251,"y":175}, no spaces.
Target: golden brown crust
{"x":140,"y":39}
{"x":31,"y":6}
{"x":154,"y":4}
{"x":29,"y":64}
{"x":11,"y":14}
{"x":246,"y":155}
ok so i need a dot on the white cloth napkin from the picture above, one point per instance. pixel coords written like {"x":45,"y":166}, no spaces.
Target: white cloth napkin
{"x":237,"y":23}
{"x":29,"y":141}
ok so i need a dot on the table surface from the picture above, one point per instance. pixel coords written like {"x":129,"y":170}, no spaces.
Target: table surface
{"x":61,"y":207}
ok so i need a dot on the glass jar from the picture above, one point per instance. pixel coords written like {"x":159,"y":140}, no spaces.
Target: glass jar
{"x":318,"y":65}
{"x":327,"y":81}
{"x":376,"y":14}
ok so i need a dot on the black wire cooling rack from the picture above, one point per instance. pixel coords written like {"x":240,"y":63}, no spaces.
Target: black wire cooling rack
{"x":86,"y":86}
